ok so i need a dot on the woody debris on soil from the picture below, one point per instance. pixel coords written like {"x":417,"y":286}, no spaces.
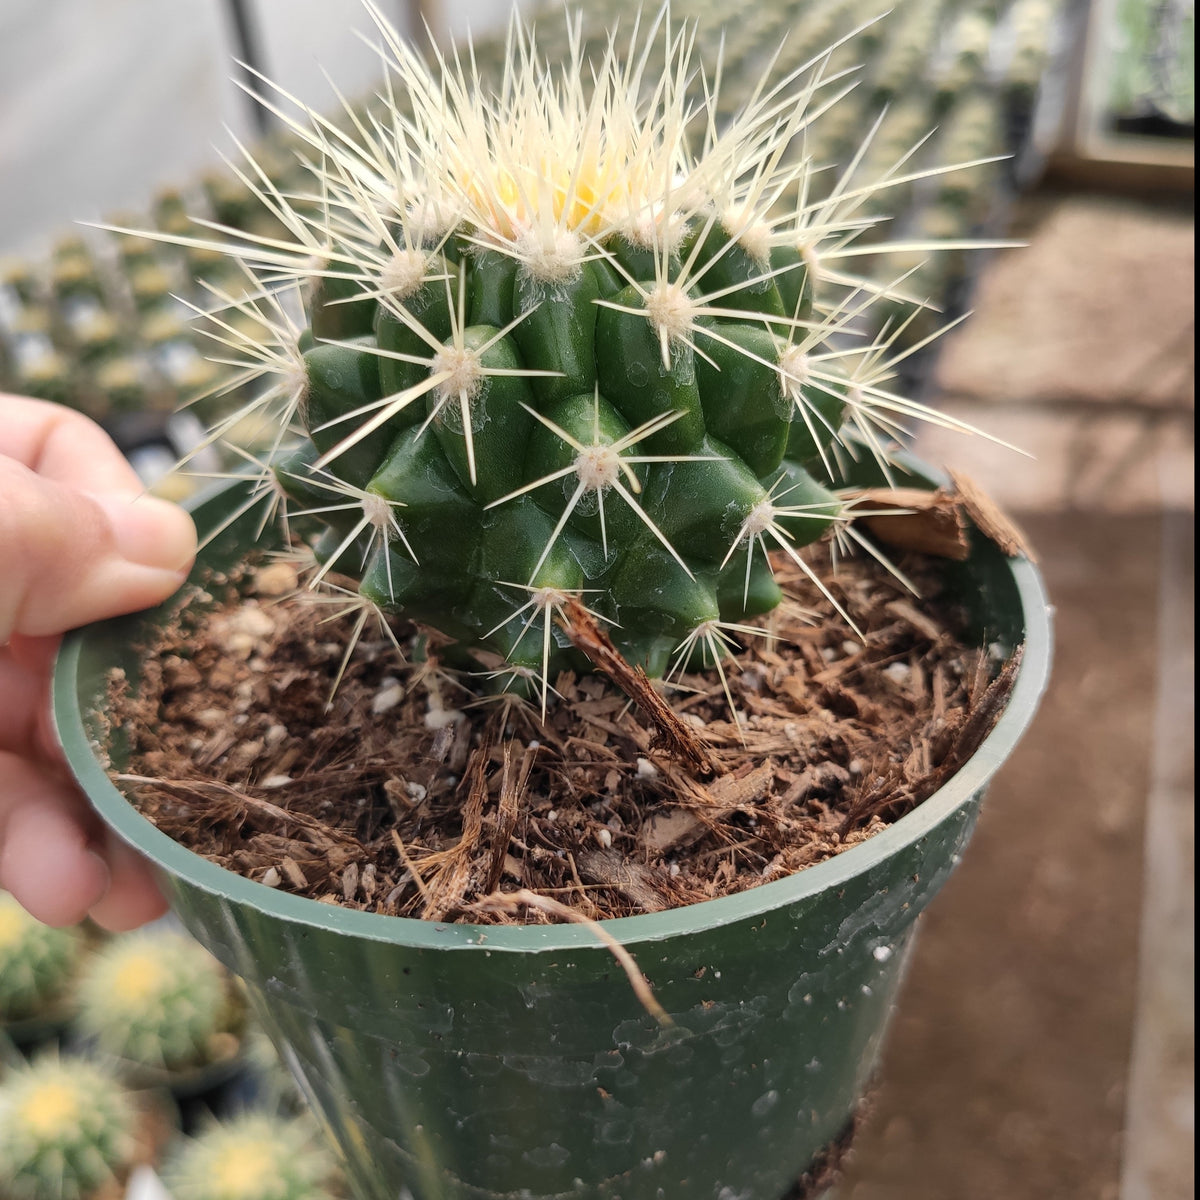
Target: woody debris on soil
{"x":411,"y":793}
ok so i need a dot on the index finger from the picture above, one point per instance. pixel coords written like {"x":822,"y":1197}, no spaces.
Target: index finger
{"x":61,"y":444}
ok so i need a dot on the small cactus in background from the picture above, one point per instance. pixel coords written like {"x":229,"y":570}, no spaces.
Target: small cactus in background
{"x":272,"y":1086}
{"x":551,"y":344}
{"x":37,"y":963}
{"x":253,"y":1156}
{"x":68,"y":1128}
{"x":158,"y":1001}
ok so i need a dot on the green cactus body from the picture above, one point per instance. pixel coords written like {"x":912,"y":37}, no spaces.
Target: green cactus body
{"x":97,"y":336}
{"x":17,"y":278}
{"x":254,"y":1156}
{"x":964,"y":55}
{"x":37,"y":963}
{"x":1030,"y":24}
{"x":552,"y":351}
{"x":151,"y":285}
{"x":556,"y":488}
{"x":554,"y":445}
{"x":170,"y":212}
{"x":158,"y":1002}
{"x":124,"y":383}
{"x":975,"y":129}
{"x":67,"y":1129}
{"x":908,"y":47}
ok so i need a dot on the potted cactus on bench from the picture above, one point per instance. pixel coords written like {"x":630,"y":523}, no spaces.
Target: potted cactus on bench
{"x":567,"y":372}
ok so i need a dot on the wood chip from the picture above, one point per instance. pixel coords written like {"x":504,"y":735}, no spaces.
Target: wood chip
{"x":921,"y":622}
{"x":994,"y":524}
{"x":513,"y":786}
{"x":742,"y":791}
{"x":293,"y":874}
{"x":934,"y":523}
{"x":448,"y":887}
{"x":665,"y":832}
{"x":635,"y":882}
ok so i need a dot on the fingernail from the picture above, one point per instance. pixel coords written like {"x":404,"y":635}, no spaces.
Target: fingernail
{"x":150,"y":532}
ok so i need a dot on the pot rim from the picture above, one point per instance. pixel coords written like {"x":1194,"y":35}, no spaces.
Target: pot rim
{"x":197,"y":872}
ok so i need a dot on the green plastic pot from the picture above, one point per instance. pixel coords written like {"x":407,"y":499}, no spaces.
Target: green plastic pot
{"x":458,"y":1062}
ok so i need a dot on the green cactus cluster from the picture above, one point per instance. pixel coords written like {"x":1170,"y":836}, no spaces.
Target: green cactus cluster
{"x":37,"y":964}
{"x":155,"y":1010}
{"x":156,"y":1001}
{"x":68,"y":1129}
{"x":253,"y":1156}
{"x":109,"y":326}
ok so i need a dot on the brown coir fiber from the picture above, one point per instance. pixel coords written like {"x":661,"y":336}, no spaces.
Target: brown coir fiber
{"x":409,"y":793}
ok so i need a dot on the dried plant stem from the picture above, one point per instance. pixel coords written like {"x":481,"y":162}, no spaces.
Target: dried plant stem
{"x":511,"y":902}
{"x":680,"y":741}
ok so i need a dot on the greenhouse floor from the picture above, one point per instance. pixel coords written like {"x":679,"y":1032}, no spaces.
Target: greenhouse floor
{"x":1043,"y":1046}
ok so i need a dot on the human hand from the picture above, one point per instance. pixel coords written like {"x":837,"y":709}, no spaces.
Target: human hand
{"x":79,"y":541}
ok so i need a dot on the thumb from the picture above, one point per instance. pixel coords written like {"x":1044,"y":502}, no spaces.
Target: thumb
{"x":69,"y":557}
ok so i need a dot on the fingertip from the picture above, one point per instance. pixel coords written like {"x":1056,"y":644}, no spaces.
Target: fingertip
{"x":132,"y":897}
{"x":149,"y":532}
{"x":72,"y":557}
{"x":48,"y":867}
{"x":117,"y":586}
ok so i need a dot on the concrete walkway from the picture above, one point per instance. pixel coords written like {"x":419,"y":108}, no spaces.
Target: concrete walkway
{"x":1044,"y":1045}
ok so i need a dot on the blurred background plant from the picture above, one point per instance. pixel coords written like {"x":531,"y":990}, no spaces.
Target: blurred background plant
{"x":1153,"y":80}
{"x":120,"y":1050}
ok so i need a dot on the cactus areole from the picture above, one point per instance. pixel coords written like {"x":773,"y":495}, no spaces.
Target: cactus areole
{"x":546,"y":342}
